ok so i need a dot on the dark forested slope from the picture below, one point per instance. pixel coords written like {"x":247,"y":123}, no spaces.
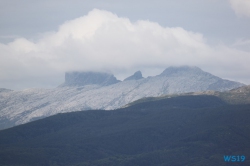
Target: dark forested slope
{"x":184,"y":130}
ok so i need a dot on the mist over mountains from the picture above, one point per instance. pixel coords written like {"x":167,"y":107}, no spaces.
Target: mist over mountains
{"x":92,"y":90}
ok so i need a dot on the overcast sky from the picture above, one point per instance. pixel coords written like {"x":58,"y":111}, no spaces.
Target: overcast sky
{"x":41,"y":40}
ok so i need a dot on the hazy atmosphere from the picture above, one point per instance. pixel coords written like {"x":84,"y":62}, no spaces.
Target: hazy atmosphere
{"x":41,"y":40}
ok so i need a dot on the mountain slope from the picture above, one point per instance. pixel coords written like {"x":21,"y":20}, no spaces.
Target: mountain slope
{"x":185,"y":130}
{"x":88,"y":90}
{"x":235,"y":96}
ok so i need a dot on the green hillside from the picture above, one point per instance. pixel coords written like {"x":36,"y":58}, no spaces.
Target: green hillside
{"x":185,"y":130}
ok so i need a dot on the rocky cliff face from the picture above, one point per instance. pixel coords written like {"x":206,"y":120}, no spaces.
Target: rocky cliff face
{"x":90,"y":90}
{"x":4,"y":90}
{"x":89,"y":78}
{"x":136,"y":76}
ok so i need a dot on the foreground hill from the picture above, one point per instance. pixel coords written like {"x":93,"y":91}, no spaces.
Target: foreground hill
{"x":89,"y":90}
{"x":184,"y":130}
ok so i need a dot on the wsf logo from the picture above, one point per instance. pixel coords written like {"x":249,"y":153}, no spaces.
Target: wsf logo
{"x":234,"y":158}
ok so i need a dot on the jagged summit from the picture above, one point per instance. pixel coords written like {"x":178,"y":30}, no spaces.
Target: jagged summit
{"x":136,"y":76}
{"x":181,"y":70}
{"x":88,"y":78}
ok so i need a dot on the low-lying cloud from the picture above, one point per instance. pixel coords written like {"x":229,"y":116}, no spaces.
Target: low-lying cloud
{"x":102,"y":41}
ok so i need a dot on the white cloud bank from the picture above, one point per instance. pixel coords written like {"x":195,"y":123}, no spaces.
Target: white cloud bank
{"x":241,"y":7}
{"x":102,"y":41}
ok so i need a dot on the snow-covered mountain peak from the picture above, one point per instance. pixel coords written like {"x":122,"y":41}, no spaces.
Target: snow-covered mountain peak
{"x":182,"y":70}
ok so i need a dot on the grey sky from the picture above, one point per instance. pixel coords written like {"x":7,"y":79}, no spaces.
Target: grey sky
{"x":213,"y":18}
{"x":216,"y":20}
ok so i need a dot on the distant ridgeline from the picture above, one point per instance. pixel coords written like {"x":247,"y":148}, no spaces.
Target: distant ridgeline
{"x":96,"y":90}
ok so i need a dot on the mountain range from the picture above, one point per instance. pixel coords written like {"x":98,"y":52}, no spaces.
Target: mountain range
{"x":96,"y":90}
